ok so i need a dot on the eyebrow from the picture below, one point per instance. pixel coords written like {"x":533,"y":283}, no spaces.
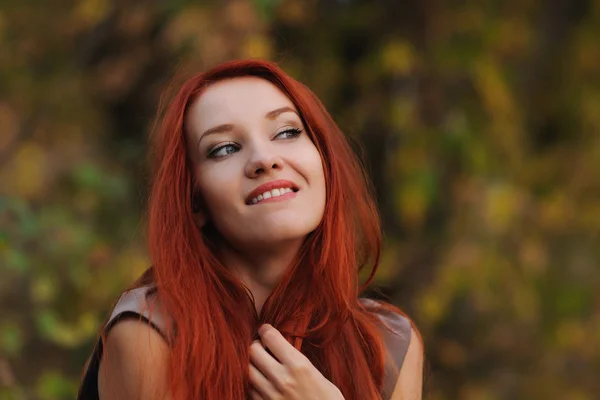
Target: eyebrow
{"x":275,"y":113}
{"x":229,"y":127}
{"x":217,"y":129}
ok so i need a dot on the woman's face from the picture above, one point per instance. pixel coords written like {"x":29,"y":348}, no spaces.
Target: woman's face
{"x":260,"y":176}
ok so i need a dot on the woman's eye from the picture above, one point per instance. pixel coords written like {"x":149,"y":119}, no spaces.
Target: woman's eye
{"x":289,"y":133}
{"x":223,"y":150}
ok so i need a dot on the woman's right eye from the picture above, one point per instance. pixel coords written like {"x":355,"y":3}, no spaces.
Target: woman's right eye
{"x":223,"y":150}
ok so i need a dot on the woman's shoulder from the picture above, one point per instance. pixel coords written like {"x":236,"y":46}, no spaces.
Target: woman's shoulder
{"x":399,"y":337}
{"x":134,"y":364}
{"x":397,"y":323}
{"x":137,"y":315}
{"x":142,"y":303}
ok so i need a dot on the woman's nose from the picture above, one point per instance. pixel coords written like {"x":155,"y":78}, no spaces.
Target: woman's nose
{"x":263,"y":163}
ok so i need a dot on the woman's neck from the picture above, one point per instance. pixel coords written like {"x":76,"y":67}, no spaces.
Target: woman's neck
{"x":260,"y":270}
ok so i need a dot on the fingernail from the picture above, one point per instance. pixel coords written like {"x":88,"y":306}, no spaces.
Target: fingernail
{"x":263,"y":328}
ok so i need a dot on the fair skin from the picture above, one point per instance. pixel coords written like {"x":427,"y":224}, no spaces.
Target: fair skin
{"x":241,"y":134}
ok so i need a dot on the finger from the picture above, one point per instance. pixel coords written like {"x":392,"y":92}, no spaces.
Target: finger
{"x":279,"y":346}
{"x":262,"y":386}
{"x":266,"y":364}
{"x":254,"y":395}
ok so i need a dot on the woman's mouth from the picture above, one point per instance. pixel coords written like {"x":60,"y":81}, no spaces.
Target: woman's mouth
{"x":279,"y":189}
{"x":274,"y":194}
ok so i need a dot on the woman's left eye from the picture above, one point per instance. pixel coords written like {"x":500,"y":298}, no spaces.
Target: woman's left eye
{"x":289,"y":133}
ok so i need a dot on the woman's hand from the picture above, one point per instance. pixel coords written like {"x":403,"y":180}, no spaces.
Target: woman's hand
{"x":289,"y":376}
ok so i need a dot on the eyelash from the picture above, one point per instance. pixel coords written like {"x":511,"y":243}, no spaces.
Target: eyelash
{"x":295,"y":132}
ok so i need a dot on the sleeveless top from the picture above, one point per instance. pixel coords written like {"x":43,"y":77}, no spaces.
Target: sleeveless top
{"x":140,"y":304}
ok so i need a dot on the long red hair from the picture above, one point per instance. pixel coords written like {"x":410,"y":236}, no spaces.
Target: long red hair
{"x":315,"y":305}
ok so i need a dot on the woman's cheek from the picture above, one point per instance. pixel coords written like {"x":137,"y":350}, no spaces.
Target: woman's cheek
{"x":220,"y":186}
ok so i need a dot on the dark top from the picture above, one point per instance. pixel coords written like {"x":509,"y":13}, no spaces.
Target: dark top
{"x":141,"y":303}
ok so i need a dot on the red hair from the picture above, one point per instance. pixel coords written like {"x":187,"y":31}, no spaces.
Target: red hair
{"x":315,"y":305}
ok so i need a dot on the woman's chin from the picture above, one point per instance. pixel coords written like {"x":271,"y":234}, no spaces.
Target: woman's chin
{"x":276,"y":237}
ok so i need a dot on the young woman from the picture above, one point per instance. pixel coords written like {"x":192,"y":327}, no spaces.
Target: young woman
{"x":260,"y":218}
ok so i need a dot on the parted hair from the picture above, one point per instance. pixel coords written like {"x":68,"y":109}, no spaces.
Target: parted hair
{"x":315,"y":305}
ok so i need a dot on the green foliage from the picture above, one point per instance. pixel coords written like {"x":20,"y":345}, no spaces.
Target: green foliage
{"x":11,"y":339}
{"x":53,"y":385}
{"x":480,"y":126}
{"x":266,"y":8}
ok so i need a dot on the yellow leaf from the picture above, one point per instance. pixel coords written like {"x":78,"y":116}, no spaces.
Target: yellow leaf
{"x":578,"y":394}
{"x":256,"y":46}
{"x":431,"y":307}
{"x":8,"y":121}
{"x":402,"y":112}
{"x":502,"y":204}
{"x":590,"y":104}
{"x":525,"y":303}
{"x":192,"y":24}
{"x":90,"y":12}
{"x":43,"y":289}
{"x":71,"y":335}
{"x":494,"y":91}
{"x":571,"y":335}
{"x":397,"y":57}
{"x":131,"y":263}
{"x":474,"y":391}
{"x":388,"y":265}
{"x":413,"y":203}
{"x":587,"y":54}
{"x":555,"y":212}
{"x":29,"y":167}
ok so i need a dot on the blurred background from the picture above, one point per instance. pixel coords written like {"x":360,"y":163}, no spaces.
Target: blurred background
{"x":480,"y":122}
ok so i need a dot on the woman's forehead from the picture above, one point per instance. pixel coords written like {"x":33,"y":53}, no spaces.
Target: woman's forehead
{"x":248,"y":95}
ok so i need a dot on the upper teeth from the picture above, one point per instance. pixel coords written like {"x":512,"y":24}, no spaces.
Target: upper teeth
{"x":271,"y":193}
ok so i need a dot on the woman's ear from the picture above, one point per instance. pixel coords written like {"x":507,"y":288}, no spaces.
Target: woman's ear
{"x":198,"y":209}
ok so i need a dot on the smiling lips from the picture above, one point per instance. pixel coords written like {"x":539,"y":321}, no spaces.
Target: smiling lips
{"x":274,"y":190}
